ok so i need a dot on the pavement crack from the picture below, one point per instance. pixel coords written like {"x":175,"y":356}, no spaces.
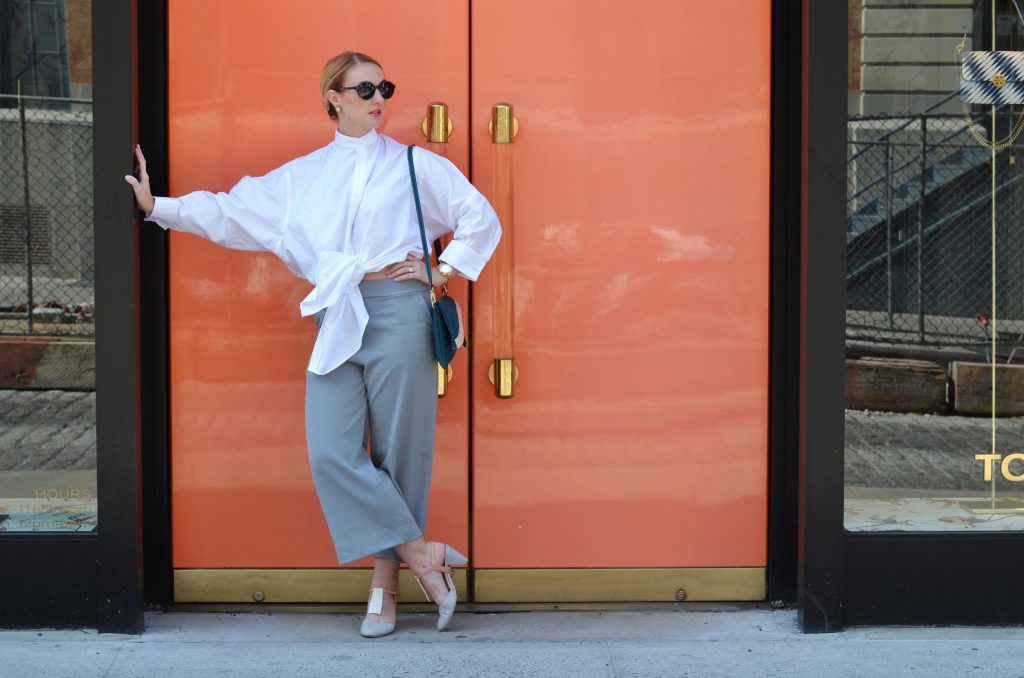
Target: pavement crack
{"x":113,"y":660}
{"x":611,"y":660}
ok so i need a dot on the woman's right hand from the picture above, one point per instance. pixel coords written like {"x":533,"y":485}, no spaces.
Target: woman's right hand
{"x":140,"y":184}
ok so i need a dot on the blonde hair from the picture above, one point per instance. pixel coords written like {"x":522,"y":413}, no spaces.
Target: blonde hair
{"x":334,"y":72}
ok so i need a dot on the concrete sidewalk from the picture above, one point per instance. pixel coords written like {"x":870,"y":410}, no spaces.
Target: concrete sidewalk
{"x":717,"y":640}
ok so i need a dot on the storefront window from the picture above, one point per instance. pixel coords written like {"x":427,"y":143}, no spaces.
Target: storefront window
{"x":935,"y":267}
{"x":47,"y":356}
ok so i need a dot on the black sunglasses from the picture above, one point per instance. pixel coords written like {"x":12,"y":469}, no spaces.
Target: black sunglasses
{"x":365,"y":89}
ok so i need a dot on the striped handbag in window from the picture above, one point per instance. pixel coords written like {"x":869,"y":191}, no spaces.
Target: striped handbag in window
{"x":995,"y":78}
{"x":992,"y":78}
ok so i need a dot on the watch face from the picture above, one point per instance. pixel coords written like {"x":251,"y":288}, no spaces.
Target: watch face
{"x":445,"y":269}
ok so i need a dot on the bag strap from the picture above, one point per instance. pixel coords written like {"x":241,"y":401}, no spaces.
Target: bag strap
{"x":423,"y":230}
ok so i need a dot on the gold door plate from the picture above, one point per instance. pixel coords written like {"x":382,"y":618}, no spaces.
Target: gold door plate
{"x":338,"y":585}
{"x":538,"y":588}
{"x":621,"y":585}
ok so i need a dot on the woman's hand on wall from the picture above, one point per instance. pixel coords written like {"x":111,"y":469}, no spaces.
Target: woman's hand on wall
{"x":140,"y":183}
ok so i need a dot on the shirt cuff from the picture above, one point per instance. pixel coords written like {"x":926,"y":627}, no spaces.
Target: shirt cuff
{"x":463,"y":259}
{"x":165,"y":212}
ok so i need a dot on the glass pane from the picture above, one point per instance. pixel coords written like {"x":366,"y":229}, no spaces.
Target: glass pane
{"x":47,"y":363}
{"x":46,"y":28}
{"x":16,"y":51}
{"x":935,"y":267}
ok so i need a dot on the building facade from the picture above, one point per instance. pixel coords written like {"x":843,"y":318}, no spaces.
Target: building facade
{"x":686,"y":379}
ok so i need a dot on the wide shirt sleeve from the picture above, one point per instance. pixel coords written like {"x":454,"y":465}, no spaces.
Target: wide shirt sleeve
{"x":251,"y":216}
{"x":454,"y":201}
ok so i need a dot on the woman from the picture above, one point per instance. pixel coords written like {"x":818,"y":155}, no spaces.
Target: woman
{"x":343,"y":217}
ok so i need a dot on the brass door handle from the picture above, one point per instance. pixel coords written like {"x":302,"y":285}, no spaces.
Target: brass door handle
{"x":437,"y":127}
{"x":503,"y":125}
{"x":503,"y":372}
{"x":443,"y":377}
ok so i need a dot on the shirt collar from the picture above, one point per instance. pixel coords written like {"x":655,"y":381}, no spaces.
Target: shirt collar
{"x":354,"y":143}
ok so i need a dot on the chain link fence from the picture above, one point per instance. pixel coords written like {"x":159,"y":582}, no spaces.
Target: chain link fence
{"x":46,"y":216}
{"x":919,"y":234}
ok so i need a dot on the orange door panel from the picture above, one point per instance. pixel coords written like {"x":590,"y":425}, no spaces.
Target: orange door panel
{"x":637,"y":432}
{"x":633,"y":293}
{"x":244,"y":98}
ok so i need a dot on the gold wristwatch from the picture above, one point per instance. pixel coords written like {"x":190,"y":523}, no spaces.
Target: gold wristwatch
{"x":446,"y":270}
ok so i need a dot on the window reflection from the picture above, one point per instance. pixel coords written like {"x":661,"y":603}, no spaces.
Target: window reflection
{"x":935,"y":274}
{"x":47,"y":364}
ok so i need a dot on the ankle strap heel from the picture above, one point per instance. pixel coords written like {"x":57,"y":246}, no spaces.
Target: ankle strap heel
{"x":446,"y":607}
{"x":372,"y":628}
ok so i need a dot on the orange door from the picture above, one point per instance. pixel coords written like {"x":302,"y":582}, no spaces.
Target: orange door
{"x":637,"y":432}
{"x":244,"y":98}
{"x":631,"y":292}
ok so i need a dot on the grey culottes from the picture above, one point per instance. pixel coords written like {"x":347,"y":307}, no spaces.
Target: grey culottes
{"x":385,"y":394}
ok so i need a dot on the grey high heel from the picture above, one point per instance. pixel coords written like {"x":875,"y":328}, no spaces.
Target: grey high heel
{"x":372,"y":628}
{"x":445,"y":608}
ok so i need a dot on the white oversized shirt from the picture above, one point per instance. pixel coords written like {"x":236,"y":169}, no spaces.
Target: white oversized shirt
{"x":338,"y":213}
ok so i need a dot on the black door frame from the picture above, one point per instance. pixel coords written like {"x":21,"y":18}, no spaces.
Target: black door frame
{"x":783,"y":454}
{"x":849,"y":578}
{"x":95,"y":579}
{"x":784,"y":327}
{"x":153,"y":310}
{"x":819,"y":416}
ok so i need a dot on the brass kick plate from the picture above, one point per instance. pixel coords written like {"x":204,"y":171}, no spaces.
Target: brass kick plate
{"x":536,"y":587}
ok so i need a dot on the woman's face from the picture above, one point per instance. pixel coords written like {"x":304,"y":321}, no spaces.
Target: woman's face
{"x":358,"y":116}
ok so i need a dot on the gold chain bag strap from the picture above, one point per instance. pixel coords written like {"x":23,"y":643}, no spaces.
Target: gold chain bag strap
{"x":994,"y":78}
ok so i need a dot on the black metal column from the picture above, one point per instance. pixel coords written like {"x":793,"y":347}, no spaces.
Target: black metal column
{"x":785,"y":303}
{"x":153,"y":309}
{"x":822,"y":289}
{"x":118,"y":426}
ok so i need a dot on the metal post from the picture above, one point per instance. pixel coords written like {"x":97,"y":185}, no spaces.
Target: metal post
{"x":920,"y":229}
{"x":28,"y":222}
{"x":888,"y":230}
